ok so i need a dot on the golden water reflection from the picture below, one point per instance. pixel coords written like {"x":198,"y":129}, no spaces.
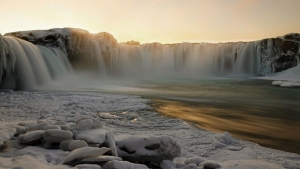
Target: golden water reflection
{"x":266,"y":131}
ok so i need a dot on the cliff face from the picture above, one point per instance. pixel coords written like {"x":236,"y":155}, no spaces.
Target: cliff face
{"x":7,"y":65}
{"x":102,"y":52}
{"x":76,"y":43}
{"x":278,"y":54}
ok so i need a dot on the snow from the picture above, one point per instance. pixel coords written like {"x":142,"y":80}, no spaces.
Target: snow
{"x":287,"y":78}
{"x":197,"y":144}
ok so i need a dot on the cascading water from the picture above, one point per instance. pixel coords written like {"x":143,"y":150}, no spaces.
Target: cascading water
{"x":55,"y":49}
{"x":185,"y":60}
{"x":37,"y":65}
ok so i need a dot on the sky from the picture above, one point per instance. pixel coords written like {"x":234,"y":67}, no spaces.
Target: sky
{"x":165,"y":21}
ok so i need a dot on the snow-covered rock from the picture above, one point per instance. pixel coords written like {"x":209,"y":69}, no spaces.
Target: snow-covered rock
{"x":151,"y":149}
{"x":95,"y":136}
{"x":71,"y":145}
{"x":112,"y":143}
{"x":88,"y":166}
{"x":65,"y":127}
{"x":52,"y":127}
{"x":123,"y":165}
{"x":40,"y":126}
{"x":101,"y":160}
{"x":77,"y":155}
{"x":32,"y":137}
{"x":57,"y":136}
{"x":209,"y":165}
{"x":84,"y":124}
{"x":20,"y":130}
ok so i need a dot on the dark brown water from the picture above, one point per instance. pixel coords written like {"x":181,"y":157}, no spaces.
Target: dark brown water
{"x":249,"y":109}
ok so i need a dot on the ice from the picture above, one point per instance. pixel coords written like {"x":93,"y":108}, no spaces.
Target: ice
{"x":85,"y":152}
{"x":196,"y":144}
{"x":146,"y":148}
{"x":97,"y":136}
{"x":123,"y":165}
{"x":57,"y":135}
{"x":287,"y":78}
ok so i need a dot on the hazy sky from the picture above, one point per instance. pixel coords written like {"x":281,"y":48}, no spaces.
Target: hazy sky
{"x":166,"y":21}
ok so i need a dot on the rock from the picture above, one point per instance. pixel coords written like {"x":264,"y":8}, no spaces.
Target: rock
{"x":2,"y":145}
{"x":57,"y":136}
{"x":147,"y":149}
{"x":96,"y":136}
{"x":209,"y":165}
{"x":84,"y":124}
{"x":27,"y":124}
{"x":20,"y":130}
{"x":65,"y":127}
{"x":101,"y":160}
{"x":60,"y":123}
{"x":31,"y":138}
{"x":166,"y":164}
{"x":123,"y":165}
{"x":77,"y":155}
{"x":48,"y":145}
{"x":64,"y":145}
{"x":96,"y":123}
{"x":75,"y":133}
{"x":112,"y":143}
{"x":71,"y":145}
{"x":52,"y":127}
{"x":40,"y":126}
{"x":88,"y":166}
{"x":75,"y":144}
{"x":196,"y":161}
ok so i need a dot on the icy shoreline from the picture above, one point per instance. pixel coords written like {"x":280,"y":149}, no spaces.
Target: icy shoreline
{"x":130,"y":115}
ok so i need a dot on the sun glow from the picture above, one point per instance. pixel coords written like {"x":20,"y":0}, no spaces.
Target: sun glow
{"x":165,"y":21}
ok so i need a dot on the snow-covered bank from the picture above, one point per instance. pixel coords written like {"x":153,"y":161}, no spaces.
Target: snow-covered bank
{"x":287,"y":78}
{"x":127,"y":115}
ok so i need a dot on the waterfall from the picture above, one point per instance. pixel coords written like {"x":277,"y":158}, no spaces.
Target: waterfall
{"x":185,"y":60}
{"x":37,"y":65}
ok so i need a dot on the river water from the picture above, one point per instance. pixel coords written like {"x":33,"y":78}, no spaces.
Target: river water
{"x":250,"y":109}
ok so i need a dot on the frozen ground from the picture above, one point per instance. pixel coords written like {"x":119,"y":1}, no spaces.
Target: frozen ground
{"x":128,"y":115}
{"x":287,"y":78}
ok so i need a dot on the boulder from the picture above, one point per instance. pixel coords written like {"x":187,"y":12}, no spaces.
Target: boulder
{"x":31,"y":138}
{"x":147,"y":149}
{"x":57,"y":136}
{"x":95,"y":136}
{"x":101,"y":160}
{"x":76,"y":156}
{"x":123,"y":165}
